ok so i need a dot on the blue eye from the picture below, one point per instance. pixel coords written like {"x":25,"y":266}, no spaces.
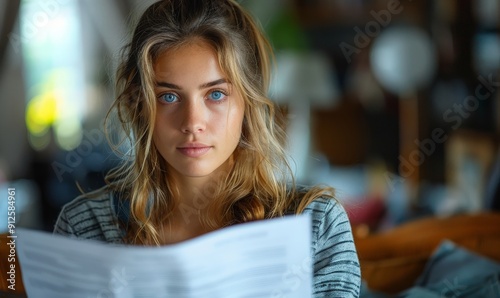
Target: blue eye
{"x":216,"y":95}
{"x":169,"y":97}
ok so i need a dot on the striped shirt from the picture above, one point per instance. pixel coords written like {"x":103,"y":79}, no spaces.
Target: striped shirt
{"x":335,"y":261}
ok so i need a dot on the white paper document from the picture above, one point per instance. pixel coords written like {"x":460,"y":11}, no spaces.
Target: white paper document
{"x":269,"y":258}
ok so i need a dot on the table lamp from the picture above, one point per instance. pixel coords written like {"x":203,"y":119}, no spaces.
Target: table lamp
{"x":302,"y":80}
{"x":403,"y":60}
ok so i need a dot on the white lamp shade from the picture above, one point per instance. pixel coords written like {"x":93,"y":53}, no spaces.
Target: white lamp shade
{"x":304,"y":77}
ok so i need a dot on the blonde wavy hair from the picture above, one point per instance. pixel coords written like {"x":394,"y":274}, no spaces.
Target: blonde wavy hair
{"x":259,"y":184}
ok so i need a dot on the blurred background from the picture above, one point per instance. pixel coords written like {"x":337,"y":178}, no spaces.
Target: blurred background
{"x":394,"y":103}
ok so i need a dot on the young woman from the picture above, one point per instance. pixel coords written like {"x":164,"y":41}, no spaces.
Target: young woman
{"x":207,"y":150}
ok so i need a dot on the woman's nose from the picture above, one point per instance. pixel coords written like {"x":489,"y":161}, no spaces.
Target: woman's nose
{"x":193,"y":118}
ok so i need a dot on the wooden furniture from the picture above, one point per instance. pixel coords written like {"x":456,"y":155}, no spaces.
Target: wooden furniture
{"x":392,"y":261}
{"x":4,"y":269}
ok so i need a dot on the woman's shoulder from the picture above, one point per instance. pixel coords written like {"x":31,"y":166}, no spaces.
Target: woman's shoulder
{"x":325,"y":209}
{"x":328,"y":216}
{"x":323,"y":204}
{"x":320,"y":200}
{"x":90,"y":216}
{"x":97,"y":202}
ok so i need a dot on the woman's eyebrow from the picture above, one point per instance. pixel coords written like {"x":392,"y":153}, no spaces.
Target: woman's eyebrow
{"x":213,"y":83}
{"x":168,"y":85}
{"x":202,"y":86}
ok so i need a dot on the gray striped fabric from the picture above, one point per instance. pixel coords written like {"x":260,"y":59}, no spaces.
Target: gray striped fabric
{"x":336,"y":265}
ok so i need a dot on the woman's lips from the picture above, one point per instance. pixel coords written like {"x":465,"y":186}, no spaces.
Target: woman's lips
{"x":194,"y":151}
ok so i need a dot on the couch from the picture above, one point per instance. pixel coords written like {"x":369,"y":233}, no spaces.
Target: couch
{"x":391,"y":261}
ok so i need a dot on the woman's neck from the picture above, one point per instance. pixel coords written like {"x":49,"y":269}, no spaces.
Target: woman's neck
{"x":195,"y":192}
{"x":193,"y":196}
{"x":177,"y":229}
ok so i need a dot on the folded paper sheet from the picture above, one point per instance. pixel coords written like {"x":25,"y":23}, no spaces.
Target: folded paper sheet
{"x":269,"y":258}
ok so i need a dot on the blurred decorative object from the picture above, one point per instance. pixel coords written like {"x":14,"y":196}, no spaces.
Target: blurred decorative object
{"x":302,"y":80}
{"x":403,"y":59}
{"x":469,"y":159}
{"x":487,"y":53}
